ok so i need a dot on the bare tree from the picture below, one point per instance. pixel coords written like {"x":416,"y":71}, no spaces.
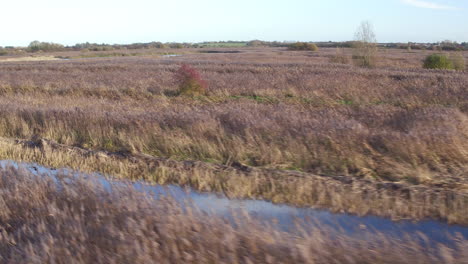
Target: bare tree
{"x":365,"y":49}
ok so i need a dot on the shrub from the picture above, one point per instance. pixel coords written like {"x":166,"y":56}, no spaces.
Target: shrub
{"x":365,"y":47}
{"x":176,"y":46}
{"x":409,"y":48}
{"x":37,"y":46}
{"x":339,"y":57}
{"x":458,"y":61}
{"x":159,"y":45}
{"x":190,"y":81}
{"x":438,"y":61}
{"x":303,"y":46}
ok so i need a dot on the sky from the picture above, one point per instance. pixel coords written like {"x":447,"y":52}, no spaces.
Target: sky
{"x":123,"y":21}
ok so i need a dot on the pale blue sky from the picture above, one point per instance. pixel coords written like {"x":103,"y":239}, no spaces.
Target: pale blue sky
{"x":124,"y":21}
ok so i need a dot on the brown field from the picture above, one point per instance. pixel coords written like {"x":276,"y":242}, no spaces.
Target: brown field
{"x":273,"y":121}
{"x":74,"y":220}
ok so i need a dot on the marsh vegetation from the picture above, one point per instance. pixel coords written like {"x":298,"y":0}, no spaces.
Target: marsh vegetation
{"x":297,"y":127}
{"x":261,"y":109}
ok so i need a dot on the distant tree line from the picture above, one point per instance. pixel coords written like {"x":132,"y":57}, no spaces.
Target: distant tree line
{"x":149,"y":45}
{"x":446,"y":45}
{"x":38,"y":46}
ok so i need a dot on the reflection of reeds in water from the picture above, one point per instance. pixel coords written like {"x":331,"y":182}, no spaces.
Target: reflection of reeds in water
{"x":82,"y":223}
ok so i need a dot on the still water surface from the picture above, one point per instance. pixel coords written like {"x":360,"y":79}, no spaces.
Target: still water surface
{"x":283,"y":217}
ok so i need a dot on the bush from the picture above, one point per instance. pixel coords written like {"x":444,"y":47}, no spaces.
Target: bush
{"x":303,"y":46}
{"x":176,"y":46}
{"x":37,"y":46}
{"x":458,"y":61}
{"x":190,"y":81}
{"x":367,"y":61}
{"x":339,"y":57}
{"x":438,"y":61}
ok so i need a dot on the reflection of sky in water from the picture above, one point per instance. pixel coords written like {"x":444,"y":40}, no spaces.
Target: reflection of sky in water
{"x":282,"y":216}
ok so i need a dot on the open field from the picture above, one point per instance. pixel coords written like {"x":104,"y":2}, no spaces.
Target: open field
{"x":75,"y":220}
{"x":29,"y":58}
{"x":275,"y":112}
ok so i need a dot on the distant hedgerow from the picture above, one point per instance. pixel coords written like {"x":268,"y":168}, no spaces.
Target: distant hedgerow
{"x":438,"y":61}
{"x":190,"y":81}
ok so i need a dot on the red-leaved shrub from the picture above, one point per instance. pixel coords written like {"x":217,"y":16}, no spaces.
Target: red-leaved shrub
{"x":190,"y":81}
